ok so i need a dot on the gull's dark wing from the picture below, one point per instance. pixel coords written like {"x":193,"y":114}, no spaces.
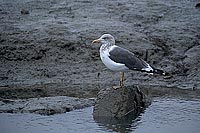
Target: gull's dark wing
{"x":124,"y":56}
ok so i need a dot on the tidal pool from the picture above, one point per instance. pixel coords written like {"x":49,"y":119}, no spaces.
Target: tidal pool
{"x":170,"y":112}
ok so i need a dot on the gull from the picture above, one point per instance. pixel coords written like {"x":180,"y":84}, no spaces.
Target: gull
{"x":121,"y":60}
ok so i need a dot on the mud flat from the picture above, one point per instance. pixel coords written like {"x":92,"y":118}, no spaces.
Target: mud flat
{"x":44,"y":106}
{"x":45,"y":46}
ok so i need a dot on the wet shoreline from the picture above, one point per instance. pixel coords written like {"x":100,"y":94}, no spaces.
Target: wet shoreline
{"x":174,"y":111}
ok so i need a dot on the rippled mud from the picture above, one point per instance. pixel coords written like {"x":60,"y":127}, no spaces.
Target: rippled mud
{"x":45,"y":46}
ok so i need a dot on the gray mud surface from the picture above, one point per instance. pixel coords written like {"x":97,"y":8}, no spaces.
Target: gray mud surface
{"x":45,"y":45}
{"x":44,"y":106}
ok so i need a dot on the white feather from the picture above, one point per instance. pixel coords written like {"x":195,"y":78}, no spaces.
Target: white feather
{"x":104,"y":54}
{"x":148,"y":68}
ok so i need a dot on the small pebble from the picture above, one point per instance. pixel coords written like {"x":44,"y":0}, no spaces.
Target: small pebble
{"x":24,"y":12}
{"x":197,"y":5}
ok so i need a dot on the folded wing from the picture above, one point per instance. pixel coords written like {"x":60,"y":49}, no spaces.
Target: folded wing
{"x":124,"y":56}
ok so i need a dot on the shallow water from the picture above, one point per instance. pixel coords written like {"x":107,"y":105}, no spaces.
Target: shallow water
{"x":177,"y":113}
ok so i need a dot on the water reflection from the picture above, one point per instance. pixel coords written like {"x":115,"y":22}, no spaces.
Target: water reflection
{"x":123,"y":125}
{"x":167,"y":114}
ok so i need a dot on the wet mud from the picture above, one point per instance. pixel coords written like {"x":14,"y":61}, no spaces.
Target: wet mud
{"x":46,"y":50}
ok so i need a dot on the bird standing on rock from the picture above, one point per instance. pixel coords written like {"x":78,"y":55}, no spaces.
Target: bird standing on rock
{"x":120,"y":59}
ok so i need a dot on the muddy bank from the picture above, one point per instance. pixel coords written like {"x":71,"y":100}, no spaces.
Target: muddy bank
{"x":45,"y":46}
{"x":44,"y":106}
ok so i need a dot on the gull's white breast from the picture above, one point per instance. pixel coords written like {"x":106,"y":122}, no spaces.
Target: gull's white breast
{"x":104,"y":54}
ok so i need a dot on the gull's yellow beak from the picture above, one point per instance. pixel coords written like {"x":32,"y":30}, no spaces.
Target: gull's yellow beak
{"x":95,"y":41}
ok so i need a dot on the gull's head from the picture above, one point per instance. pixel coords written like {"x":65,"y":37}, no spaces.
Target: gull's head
{"x":105,"y":39}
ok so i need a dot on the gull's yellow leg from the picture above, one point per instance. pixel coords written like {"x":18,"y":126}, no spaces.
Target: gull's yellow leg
{"x":121,"y":83}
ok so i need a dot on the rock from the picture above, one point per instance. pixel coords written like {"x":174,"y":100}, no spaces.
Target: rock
{"x":120,"y":102}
